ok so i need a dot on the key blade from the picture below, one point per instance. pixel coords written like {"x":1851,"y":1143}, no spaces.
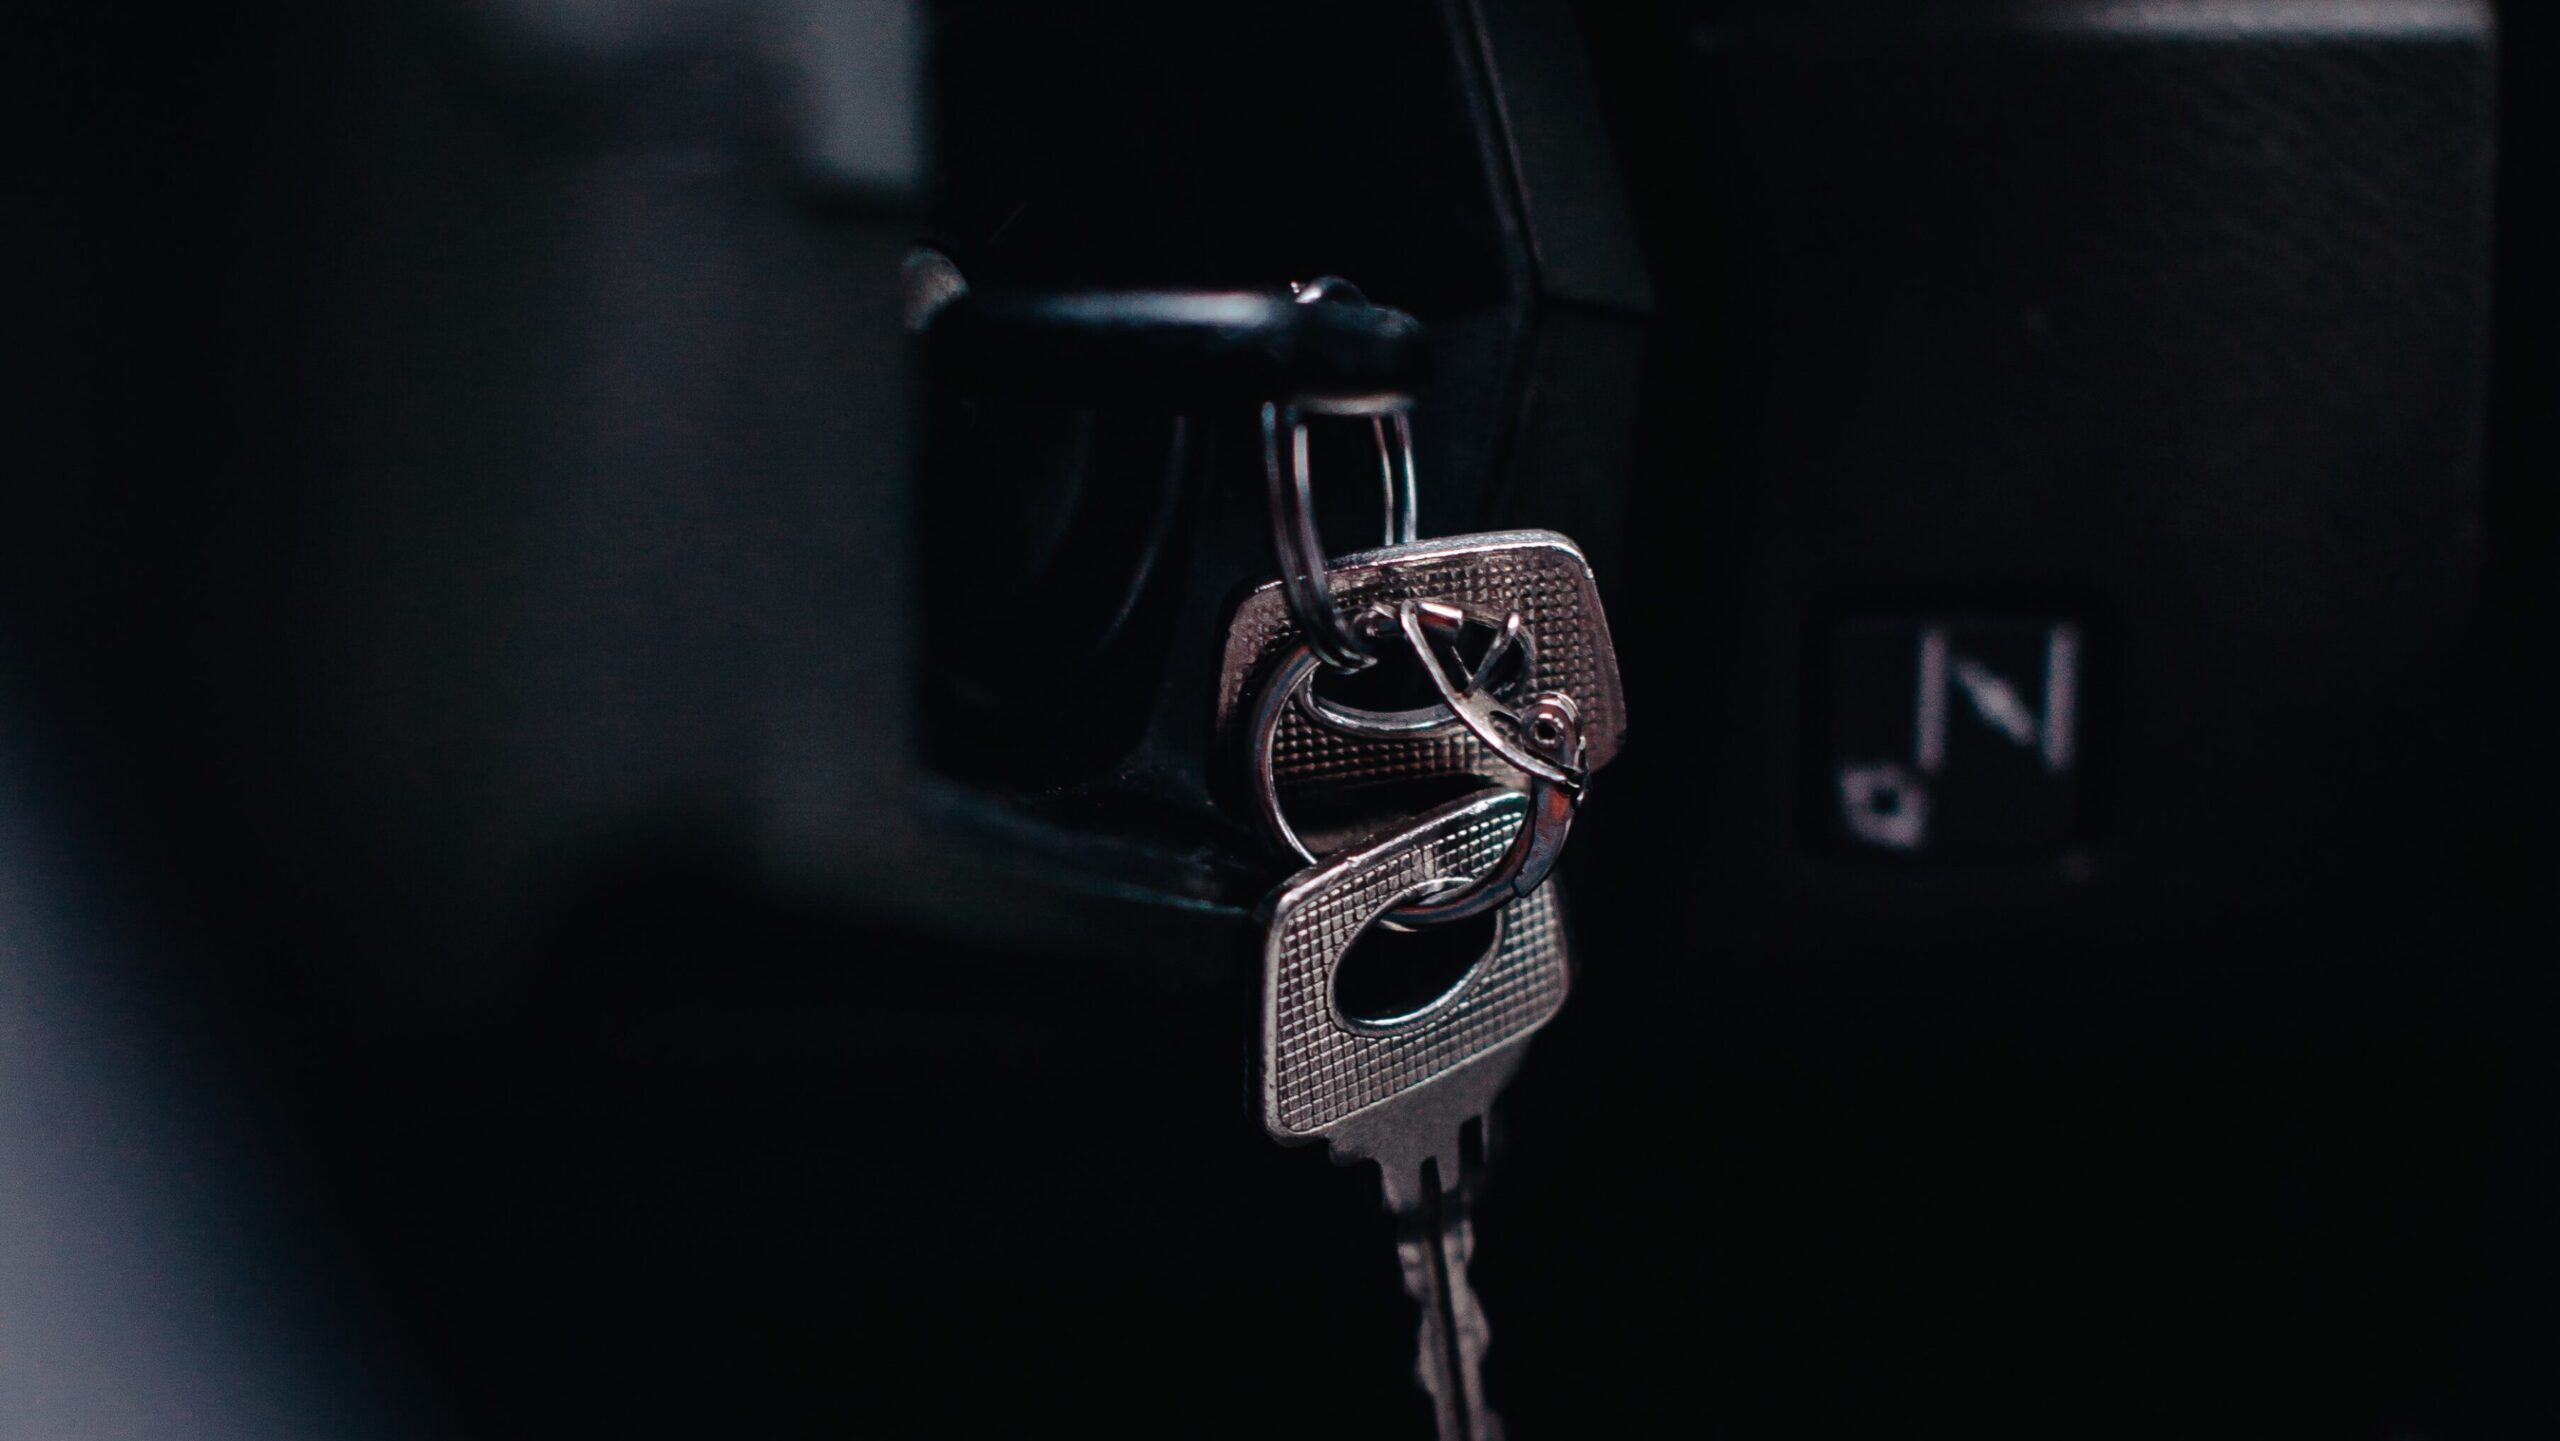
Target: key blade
{"x":1435,"y":1244}
{"x":1417,"y":1139}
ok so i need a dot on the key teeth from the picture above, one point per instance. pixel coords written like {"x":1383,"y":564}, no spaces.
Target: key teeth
{"x":1433,"y":1352}
{"x":1474,"y":1337}
{"x":1449,"y":1367}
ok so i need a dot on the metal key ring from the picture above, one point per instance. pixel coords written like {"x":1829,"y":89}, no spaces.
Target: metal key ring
{"x":1292,"y":486}
{"x":1508,"y":664}
{"x":1525,"y":862}
{"x":1548,"y":722}
{"x":1543,"y":741}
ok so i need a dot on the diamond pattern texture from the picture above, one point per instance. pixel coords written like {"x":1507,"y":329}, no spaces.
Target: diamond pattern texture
{"x":1318,"y":1069}
{"x":1538,"y":573}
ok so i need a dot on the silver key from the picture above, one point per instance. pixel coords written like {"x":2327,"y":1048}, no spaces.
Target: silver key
{"x":1402,"y":1091}
{"x":1537,"y":575}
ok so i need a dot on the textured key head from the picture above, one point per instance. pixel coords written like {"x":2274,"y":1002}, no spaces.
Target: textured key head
{"x":1320,"y":1068}
{"x":1537,"y":573}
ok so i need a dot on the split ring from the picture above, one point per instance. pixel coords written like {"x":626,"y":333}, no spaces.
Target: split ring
{"x":1287,"y":468}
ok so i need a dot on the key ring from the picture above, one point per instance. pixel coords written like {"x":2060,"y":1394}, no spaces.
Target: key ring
{"x":1293,"y":514}
{"x":1509,"y":661}
{"x":1543,"y":740}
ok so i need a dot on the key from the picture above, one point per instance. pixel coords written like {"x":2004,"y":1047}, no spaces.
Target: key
{"x":1403,"y":1091}
{"x":1561,"y":642}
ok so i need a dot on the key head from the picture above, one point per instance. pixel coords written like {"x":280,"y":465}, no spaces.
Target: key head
{"x":1537,"y":574}
{"x":1399,"y":1091}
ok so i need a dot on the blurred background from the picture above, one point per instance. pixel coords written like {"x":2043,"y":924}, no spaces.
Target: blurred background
{"x":588,"y":847}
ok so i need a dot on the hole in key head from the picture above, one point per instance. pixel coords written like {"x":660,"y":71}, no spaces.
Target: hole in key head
{"x":1390,"y":977}
{"x":1396,"y":685}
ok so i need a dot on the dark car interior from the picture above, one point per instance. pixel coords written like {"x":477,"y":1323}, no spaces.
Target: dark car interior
{"x":620,"y":814}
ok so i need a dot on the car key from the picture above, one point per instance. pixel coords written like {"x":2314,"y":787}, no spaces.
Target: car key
{"x":1403,"y":1090}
